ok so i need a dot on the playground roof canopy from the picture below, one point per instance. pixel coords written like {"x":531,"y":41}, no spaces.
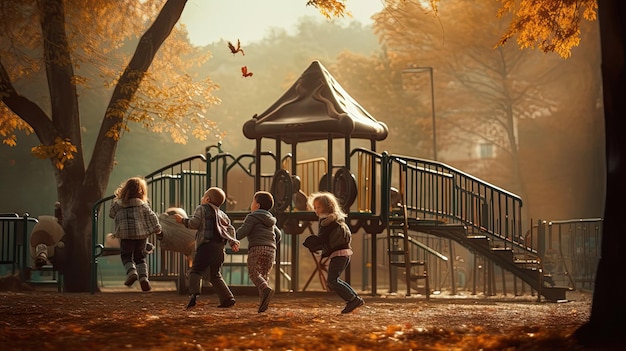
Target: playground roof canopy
{"x":316,"y":107}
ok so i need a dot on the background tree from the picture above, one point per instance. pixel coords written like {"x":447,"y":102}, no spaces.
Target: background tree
{"x":61,"y":49}
{"x":554,"y":26}
{"x":240,"y":98}
{"x":376,"y":82}
{"x":485,"y":93}
{"x":549,"y":25}
{"x":58,"y":48}
{"x":609,"y":303}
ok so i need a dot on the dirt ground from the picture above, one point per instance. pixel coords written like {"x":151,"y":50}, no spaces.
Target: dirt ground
{"x":47,"y":320}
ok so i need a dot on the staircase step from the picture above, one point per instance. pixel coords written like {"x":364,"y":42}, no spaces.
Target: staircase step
{"x":525,"y":261}
{"x":412,"y":263}
{"x":547,"y":278}
{"x":477,"y":237}
{"x":480,"y":240}
{"x":555,"y":293}
{"x":506,"y":253}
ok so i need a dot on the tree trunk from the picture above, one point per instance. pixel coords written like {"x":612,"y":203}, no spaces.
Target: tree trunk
{"x":78,"y":193}
{"x":74,"y":259}
{"x":605,"y":326}
{"x":78,"y":188}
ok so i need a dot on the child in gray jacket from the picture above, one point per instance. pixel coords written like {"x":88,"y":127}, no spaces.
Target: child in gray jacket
{"x":214,"y":230}
{"x":263,"y":235}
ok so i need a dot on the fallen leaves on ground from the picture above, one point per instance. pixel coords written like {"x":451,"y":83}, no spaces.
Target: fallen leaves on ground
{"x":294,"y":321}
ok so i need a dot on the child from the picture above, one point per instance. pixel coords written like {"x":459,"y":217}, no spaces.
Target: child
{"x":134,"y":222}
{"x":214,"y":229}
{"x":334,"y":240}
{"x":263,"y":236}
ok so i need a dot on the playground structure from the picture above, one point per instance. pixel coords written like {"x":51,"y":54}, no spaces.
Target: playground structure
{"x":413,"y":220}
{"x":416,"y":223}
{"x":431,"y":228}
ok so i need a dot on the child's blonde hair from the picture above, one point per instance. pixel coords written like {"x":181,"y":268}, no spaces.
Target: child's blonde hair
{"x":330,"y":202}
{"x":132,"y":188}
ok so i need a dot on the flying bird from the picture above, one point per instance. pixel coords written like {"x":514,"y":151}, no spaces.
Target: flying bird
{"x":237,"y":49}
{"x":244,"y":71}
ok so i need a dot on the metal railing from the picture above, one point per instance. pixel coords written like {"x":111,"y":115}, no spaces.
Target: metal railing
{"x":15,"y":254}
{"x":182,"y":184}
{"x":569,"y":249}
{"x":430,"y":190}
{"x":14,"y":234}
{"x":433,"y":190}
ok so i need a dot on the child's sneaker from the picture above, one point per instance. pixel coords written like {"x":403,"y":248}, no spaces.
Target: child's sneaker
{"x":352,"y":305}
{"x":265,"y":299}
{"x":192,"y":301}
{"x":130,"y":279}
{"x":145,"y":284}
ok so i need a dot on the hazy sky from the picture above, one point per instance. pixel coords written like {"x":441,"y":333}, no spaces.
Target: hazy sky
{"x":209,"y":21}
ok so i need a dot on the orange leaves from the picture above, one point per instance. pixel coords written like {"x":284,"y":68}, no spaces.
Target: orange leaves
{"x":393,"y":329}
{"x":10,"y":139}
{"x":550,"y":25}
{"x":276,"y":333}
{"x":9,"y":123}
{"x":296,"y":321}
{"x":116,"y":131}
{"x":77,"y":329}
{"x":221,"y":342}
{"x":185,"y":331}
{"x":330,"y":8}
{"x":60,"y":152}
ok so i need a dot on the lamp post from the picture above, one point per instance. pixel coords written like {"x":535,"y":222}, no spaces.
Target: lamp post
{"x":413,"y":69}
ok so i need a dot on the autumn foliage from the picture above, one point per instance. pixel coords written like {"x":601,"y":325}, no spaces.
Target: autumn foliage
{"x":551,"y":26}
{"x":294,"y":321}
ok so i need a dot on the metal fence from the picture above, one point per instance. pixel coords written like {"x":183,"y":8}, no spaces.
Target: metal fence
{"x":181,"y":185}
{"x":569,"y":249}
{"x":16,"y":251}
{"x":14,"y":234}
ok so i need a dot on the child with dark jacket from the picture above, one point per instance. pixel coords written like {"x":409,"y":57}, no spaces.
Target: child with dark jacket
{"x":333,"y":238}
{"x":214,"y":230}
{"x":263,"y":235}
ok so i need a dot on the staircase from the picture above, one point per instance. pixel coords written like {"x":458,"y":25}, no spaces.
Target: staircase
{"x":436,"y":199}
{"x":520,"y":261}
